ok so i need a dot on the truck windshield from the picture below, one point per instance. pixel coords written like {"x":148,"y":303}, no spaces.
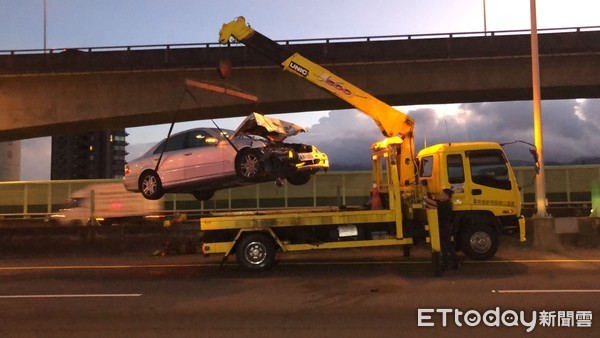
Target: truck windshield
{"x":488,"y":167}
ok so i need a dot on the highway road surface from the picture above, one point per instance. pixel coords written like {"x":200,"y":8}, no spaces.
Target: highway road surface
{"x":350,"y":293}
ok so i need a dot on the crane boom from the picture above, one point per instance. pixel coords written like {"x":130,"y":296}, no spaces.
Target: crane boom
{"x":389,"y":120}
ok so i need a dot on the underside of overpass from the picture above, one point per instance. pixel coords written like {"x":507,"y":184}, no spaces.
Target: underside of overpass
{"x":79,"y":90}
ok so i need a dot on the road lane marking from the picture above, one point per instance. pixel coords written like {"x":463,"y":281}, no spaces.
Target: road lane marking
{"x":103,"y":267}
{"x":158,"y":266}
{"x":524,"y":261}
{"x":90,"y":295}
{"x":545,"y":291}
{"x":540,"y":261}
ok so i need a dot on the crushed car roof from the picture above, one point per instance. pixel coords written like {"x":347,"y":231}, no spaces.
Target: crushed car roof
{"x":275,"y":130}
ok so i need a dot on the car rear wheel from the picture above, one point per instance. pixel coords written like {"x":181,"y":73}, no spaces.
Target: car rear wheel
{"x":203,"y":195}
{"x":249,"y":165}
{"x":150,"y":185}
{"x":299,"y":178}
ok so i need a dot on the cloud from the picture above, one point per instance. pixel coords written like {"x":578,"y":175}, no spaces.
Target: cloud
{"x":346,"y":136}
{"x":571,"y":130}
{"x":35,"y":158}
{"x":590,"y":112}
{"x":136,"y":150}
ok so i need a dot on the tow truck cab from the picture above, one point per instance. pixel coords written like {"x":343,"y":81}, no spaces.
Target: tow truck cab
{"x":486,"y":200}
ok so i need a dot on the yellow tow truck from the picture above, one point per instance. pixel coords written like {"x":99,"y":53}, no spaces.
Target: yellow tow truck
{"x":486,"y":201}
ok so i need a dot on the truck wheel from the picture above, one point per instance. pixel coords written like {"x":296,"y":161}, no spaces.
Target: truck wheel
{"x":256,"y":252}
{"x":299,"y":178}
{"x":150,"y":185}
{"x":203,"y":195}
{"x":249,"y":165}
{"x":479,"y":242}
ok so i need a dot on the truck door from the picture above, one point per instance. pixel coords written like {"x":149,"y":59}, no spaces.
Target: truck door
{"x":456,"y":180}
{"x":491,"y":186}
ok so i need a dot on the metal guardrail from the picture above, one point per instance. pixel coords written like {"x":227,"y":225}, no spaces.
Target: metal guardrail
{"x":39,"y":199}
{"x":305,"y":41}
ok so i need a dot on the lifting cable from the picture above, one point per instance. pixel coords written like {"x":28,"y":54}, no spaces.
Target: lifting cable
{"x":169,"y":134}
{"x":213,"y":121}
{"x":236,"y":93}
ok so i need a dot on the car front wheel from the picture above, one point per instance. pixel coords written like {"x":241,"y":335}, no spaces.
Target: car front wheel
{"x":249,"y":165}
{"x":150,"y":185}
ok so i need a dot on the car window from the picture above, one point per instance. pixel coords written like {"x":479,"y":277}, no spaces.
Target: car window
{"x":488,"y":167}
{"x":197,"y":139}
{"x":176,"y":142}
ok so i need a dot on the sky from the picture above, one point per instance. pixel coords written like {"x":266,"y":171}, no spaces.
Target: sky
{"x":88,"y":23}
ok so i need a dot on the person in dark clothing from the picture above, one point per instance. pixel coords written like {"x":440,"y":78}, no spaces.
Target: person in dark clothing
{"x":444,"y":208}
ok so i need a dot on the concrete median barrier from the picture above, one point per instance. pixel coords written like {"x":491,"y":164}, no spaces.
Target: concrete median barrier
{"x":556,"y":234}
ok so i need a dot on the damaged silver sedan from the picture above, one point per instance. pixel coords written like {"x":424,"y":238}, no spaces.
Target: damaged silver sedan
{"x":203,"y":160}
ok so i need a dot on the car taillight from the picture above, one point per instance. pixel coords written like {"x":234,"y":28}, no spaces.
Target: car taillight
{"x":127,"y":171}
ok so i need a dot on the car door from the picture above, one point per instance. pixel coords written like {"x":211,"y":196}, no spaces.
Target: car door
{"x":171,"y":169}
{"x":203,"y":156}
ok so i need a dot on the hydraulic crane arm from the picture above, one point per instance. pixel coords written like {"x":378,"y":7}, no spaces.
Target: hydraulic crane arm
{"x":389,"y":120}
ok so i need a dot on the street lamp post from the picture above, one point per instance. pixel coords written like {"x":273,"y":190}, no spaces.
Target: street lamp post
{"x":540,"y":180}
{"x":44,"y":26}
{"x":484,"y":19}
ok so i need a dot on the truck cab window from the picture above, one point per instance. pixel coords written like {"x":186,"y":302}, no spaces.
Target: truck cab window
{"x":456,"y":172}
{"x":488,"y":167}
{"x":426,"y":166}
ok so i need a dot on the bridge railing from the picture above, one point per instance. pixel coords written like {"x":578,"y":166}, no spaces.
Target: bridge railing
{"x":566,"y":186}
{"x":304,"y":41}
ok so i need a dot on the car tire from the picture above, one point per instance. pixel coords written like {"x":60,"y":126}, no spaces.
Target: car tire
{"x":150,"y":185}
{"x":256,"y":252}
{"x":299,"y":178}
{"x":479,"y":242}
{"x":203,"y":195}
{"x":249,"y":165}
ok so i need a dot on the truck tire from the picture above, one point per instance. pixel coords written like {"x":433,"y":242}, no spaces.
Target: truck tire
{"x":256,"y":252}
{"x":150,"y":185}
{"x":479,"y":242}
{"x":249,"y":165}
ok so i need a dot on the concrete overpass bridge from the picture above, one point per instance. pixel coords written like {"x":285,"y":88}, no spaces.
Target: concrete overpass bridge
{"x":83,"y":89}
